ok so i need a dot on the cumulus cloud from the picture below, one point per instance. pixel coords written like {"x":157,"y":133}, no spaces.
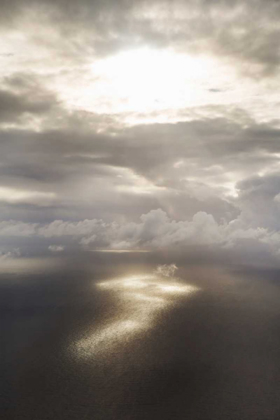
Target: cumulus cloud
{"x":153,"y":232}
{"x":156,"y":230}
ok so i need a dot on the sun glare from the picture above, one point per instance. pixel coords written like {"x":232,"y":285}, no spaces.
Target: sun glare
{"x":152,"y":78}
{"x":145,"y":81}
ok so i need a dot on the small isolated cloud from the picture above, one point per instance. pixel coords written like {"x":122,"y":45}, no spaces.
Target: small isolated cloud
{"x":56,"y":248}
{"x":15,"y":253}
{"x":166,"y":270}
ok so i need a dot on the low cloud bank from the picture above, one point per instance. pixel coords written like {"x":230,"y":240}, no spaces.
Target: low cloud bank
{"x":154,"y":231}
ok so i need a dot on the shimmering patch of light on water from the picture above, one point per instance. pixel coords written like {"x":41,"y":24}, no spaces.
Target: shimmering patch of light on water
{"x":142,"y":299}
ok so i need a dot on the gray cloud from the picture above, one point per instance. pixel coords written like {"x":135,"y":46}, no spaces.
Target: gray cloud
{"x":187,"y":163}
{"x":244,"y":31}
{"x":259,"y":201}
{"x":24,"y":96}
{"x":13,"y":105}
{"x":15,"y":253}
{"x":56,"y":248}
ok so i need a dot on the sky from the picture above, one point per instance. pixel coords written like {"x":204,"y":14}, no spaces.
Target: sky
{"x":140,"y":126}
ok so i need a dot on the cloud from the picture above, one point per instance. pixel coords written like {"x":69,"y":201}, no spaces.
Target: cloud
{"x":15,"y":105}
{"x":259,"y":201}
{"x":60,"y":228}
{"x":208,"y":168}
{"x":189,"y":165}
{"x":15,"y":253}
{"x":155,"y":231}
{"x":16,"y":228}
{"x":56,"y":248}
{"x":166,"y":270}
{"x":12,"y":195}
{"x":244,"y":31}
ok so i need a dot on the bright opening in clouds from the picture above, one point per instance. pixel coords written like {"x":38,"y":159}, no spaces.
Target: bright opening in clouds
{"x":146,"y":80}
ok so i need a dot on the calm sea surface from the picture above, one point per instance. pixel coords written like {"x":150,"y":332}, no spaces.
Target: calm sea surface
{"x":111,"y":338}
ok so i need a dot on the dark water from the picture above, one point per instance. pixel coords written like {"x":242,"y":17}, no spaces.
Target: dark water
{"x":154,"y":349}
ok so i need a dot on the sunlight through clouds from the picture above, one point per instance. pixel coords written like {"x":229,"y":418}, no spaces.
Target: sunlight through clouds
{"x":13,"y":195}
{"x":146,"y":80}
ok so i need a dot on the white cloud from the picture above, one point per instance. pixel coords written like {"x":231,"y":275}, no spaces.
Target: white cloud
{"x":56,"y":248}
{"x":166,"y":270}
{"x":154,"y":231}
{"x":157,"y":230}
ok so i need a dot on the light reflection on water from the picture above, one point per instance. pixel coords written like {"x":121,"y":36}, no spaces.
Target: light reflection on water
{"x":142,"y":299}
